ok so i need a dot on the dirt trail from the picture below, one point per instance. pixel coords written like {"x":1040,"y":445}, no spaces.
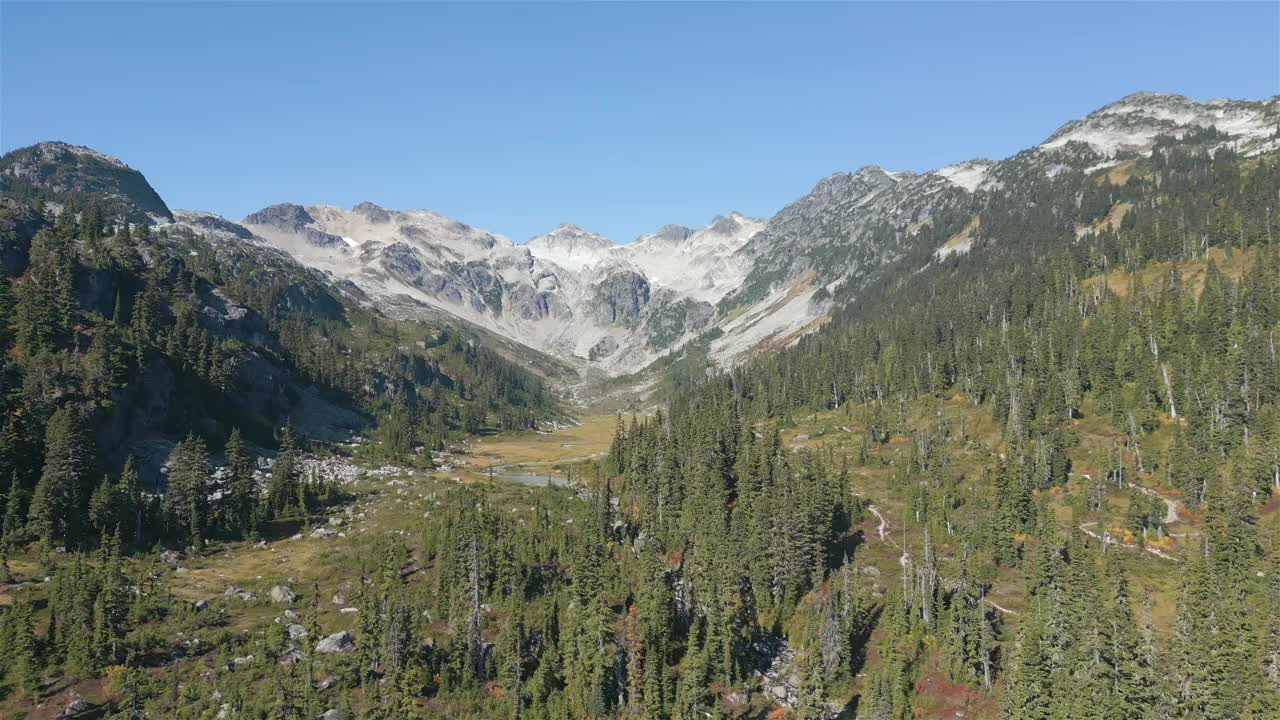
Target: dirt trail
{"x":1109,"y":539}
{"x":884,"y":528}
{"x":1171,"y":506}
{"x":1004,"y":610}
{"x":884,"y":524}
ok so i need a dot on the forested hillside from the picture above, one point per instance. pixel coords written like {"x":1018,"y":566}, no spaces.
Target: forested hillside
{"x":126,"y":346}
{"x":1035,"y":480}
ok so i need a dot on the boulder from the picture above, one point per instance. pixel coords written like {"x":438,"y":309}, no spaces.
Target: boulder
{"x":73,"y":708}
{"x":290,"y":655}
{"x":336,"y":643}
{"x":282,"y":594}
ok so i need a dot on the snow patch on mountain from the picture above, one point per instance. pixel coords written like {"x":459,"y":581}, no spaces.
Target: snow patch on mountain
{"x":968,"y":175}
{"x":1135,"y":121}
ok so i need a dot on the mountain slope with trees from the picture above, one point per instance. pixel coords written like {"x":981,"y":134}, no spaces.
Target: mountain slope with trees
{"x":121,"y":339}
{"x":1033,"y":479}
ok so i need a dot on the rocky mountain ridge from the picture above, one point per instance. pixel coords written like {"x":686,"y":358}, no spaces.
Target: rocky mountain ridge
{"x":736,"y":285}
{"x":570,"y":292}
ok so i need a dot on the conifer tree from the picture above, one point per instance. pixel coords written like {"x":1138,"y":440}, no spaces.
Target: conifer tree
{"x":186,"y":502}
{"x":282,"y":491}
{"x":61,"y":492}
{"x":242,"y":500}
{"x":23,"y":661}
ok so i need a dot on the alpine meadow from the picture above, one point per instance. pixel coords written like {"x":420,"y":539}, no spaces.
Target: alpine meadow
{"x":998,"y":439}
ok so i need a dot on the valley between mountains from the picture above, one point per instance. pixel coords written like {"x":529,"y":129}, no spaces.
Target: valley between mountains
{"x":995,"y":440}
{"x":730,"y":289}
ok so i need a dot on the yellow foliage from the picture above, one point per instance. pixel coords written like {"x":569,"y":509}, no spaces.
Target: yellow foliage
{"x":114,"y":678}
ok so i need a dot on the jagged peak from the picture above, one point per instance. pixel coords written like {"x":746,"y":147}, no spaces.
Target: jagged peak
{"x":727,"y":224}
{"x":374,"y":212}
{"x":865,"y":179}
{"x":673,"y":233}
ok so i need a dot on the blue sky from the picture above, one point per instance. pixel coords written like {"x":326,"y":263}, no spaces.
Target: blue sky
{"x":620,"y":118}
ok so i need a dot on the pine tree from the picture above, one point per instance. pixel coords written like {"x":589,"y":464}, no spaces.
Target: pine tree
{"x":282,"y":492}
{"x":186,"y":500}
{"x":107,"y":506}
{"x":396,"y":429}
{"x":60,"y":496}
{"x":242,"y":501}
{"x":23,"y":661}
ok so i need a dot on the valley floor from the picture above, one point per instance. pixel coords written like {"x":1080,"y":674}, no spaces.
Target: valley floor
{"x":321,"y":559}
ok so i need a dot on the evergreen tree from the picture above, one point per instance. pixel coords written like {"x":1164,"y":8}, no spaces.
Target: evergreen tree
{"x":242,"y":500}
{"x":186,"y":501}
{"x":61,"y":495}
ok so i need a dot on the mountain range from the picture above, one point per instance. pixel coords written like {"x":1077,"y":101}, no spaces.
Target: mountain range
{"x":734,"y":286}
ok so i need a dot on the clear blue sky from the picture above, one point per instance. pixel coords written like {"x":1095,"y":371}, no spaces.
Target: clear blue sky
{"x":619,"y":118}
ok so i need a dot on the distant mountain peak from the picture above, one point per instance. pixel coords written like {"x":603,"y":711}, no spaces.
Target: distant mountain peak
{"x":281,"y":214}
{"x":373,"y":212}
{"x":673,"y":234}
{"x":570,"y":235}
{"x":570,"y":246}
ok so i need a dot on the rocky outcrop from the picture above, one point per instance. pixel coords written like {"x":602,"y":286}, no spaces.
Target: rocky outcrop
{"x":605,"y":347}
{"x":673,"y":318}
{"x":19,"y":222}
{"x":294,"y":220}
{"x":620,"y":297}
{"x":210,"y":223}
{"x":336,"y":643}
{"x":372,"y":213}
